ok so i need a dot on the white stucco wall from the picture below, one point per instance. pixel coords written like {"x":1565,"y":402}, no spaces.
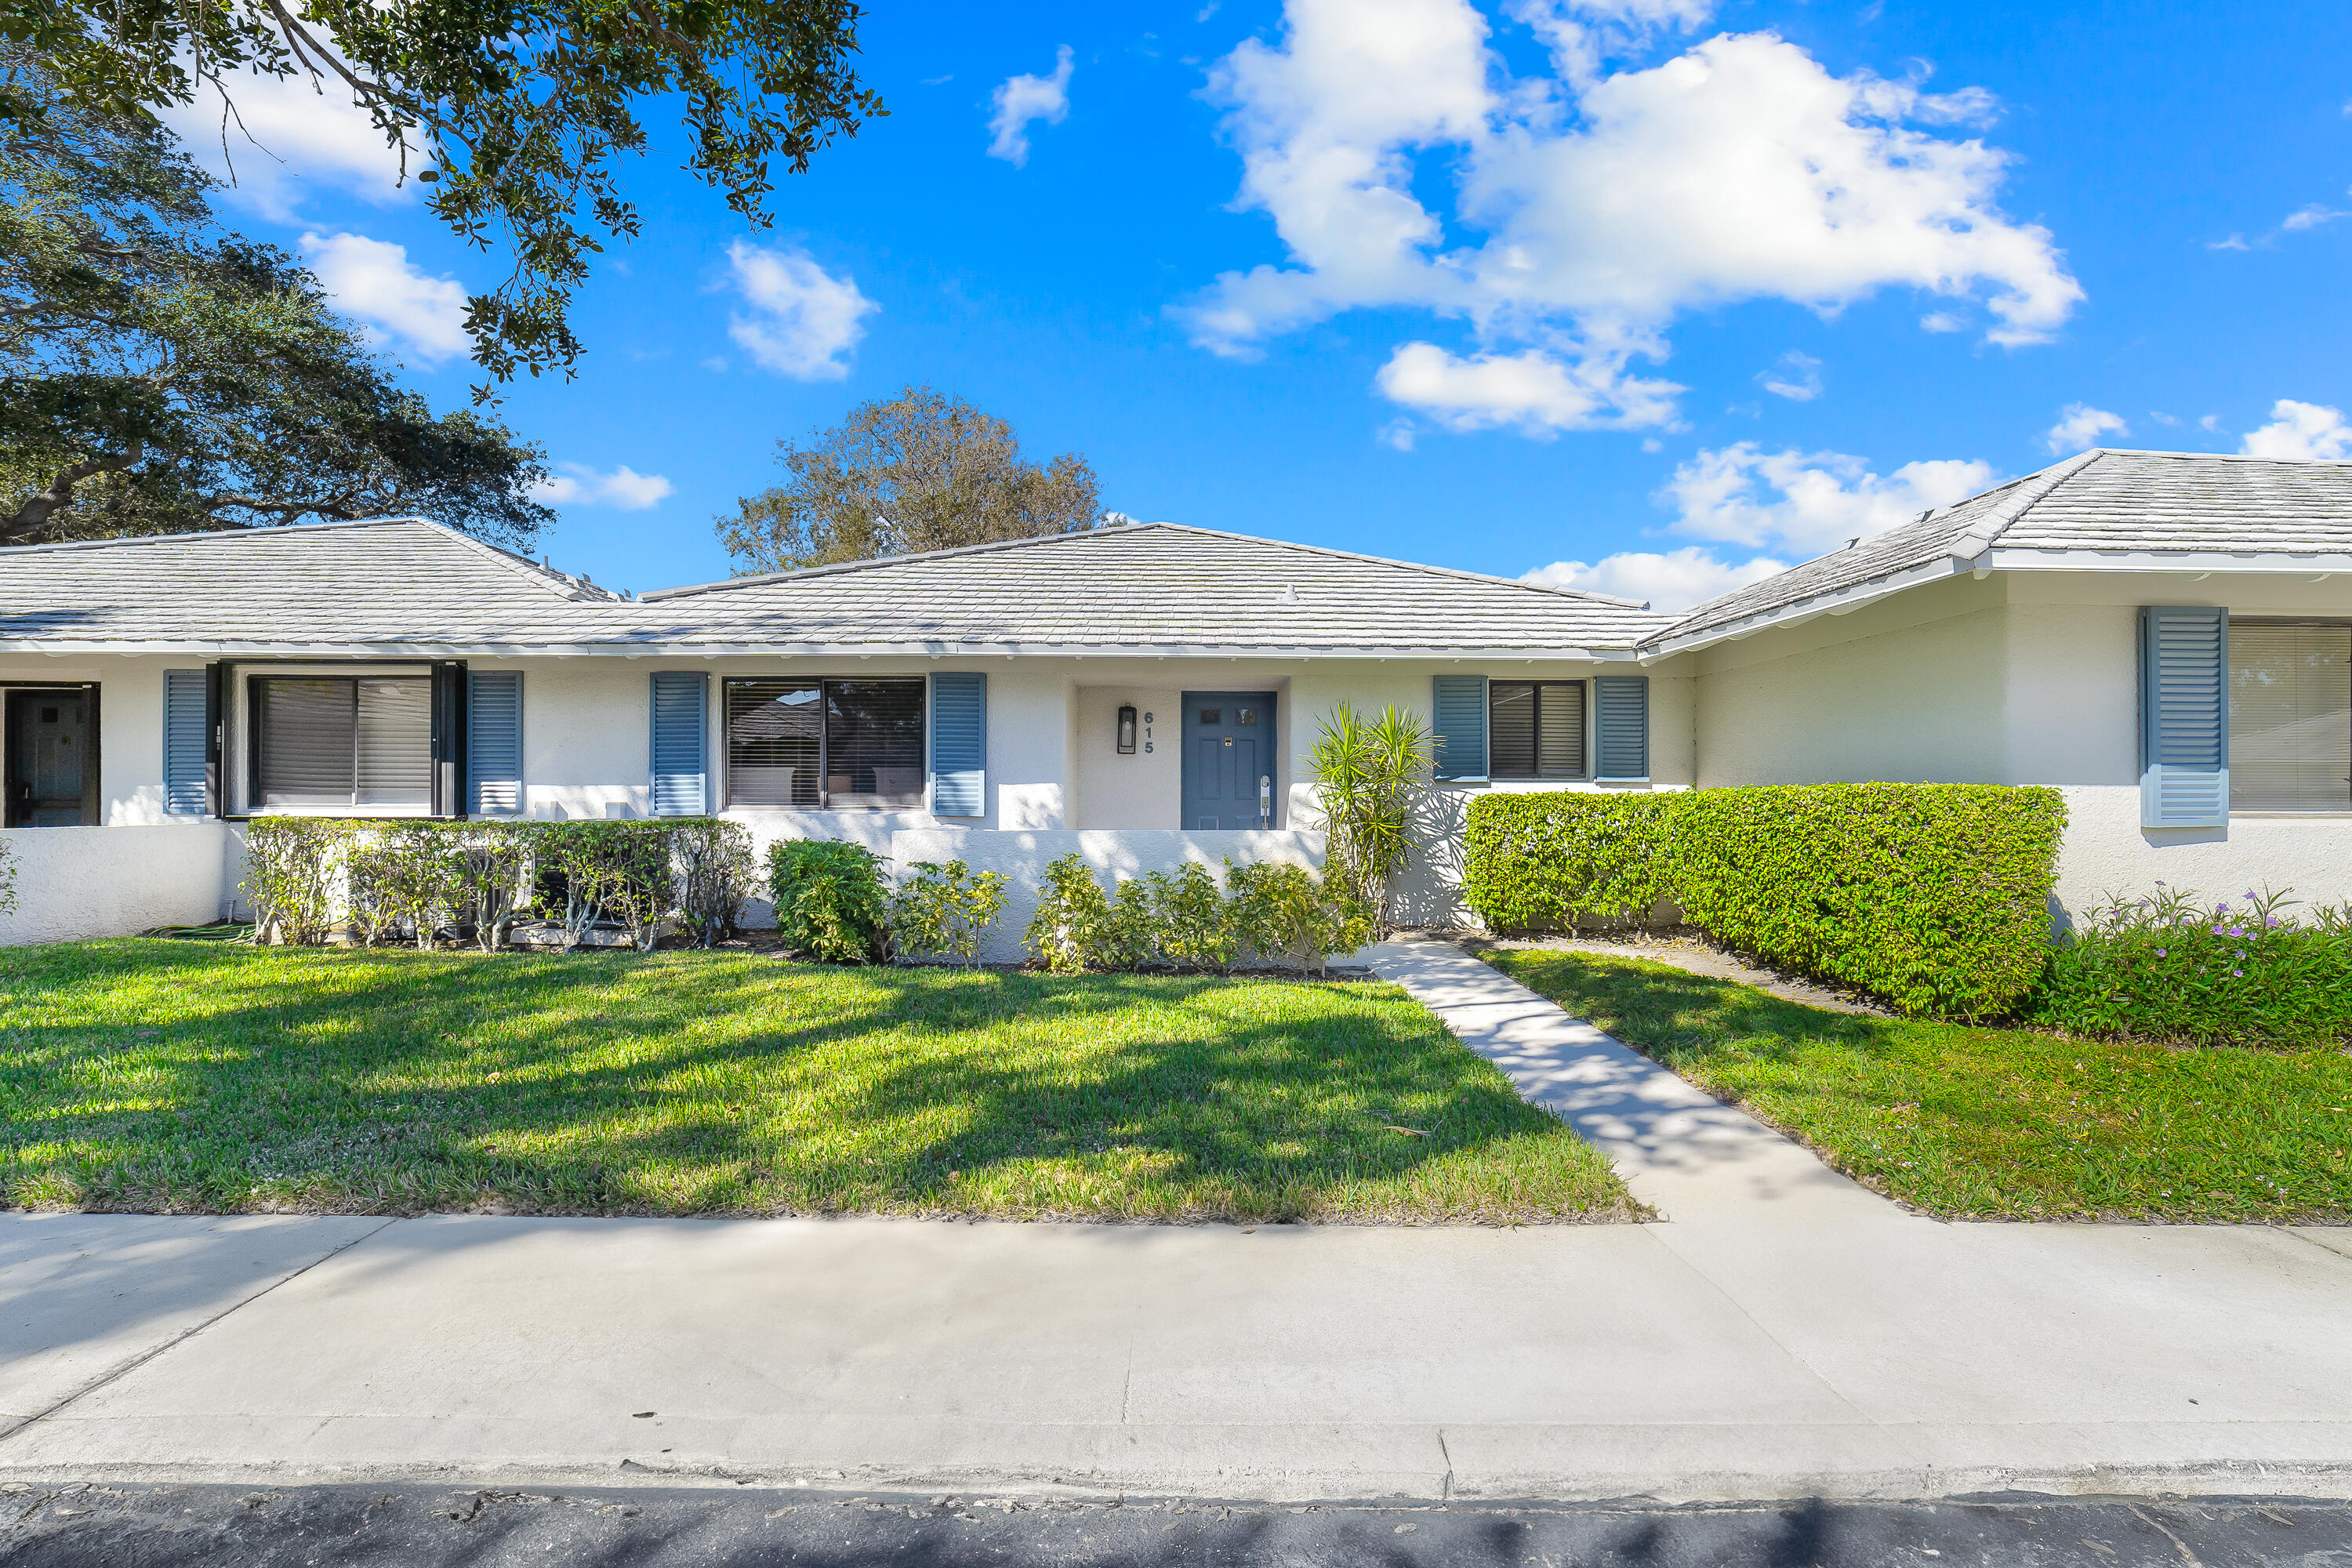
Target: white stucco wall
{"x":75,"y":882}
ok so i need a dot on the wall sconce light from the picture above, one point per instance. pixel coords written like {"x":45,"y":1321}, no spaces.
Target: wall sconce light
{"x":1127,"y":731}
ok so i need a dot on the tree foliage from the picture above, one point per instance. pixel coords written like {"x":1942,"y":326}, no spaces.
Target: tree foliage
{"x":901,"y":475}
{"x":158,"y":374}
{"x":514,"y":113}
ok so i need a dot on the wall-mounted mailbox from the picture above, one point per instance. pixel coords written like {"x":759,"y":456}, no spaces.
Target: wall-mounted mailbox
{"x":1127,"y":731}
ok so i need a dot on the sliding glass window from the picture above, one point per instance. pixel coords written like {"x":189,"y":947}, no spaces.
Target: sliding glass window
{"x":825,"y":743}
{"x":343,"y":742}
{"x":2290,"y":716}
{"x":1535,"y":729}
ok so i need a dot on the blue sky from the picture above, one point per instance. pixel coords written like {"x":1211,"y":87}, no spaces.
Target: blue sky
{"x":1641,"y":295}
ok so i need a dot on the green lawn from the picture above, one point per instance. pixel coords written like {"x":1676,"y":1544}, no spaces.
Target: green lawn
{"x":1992,"y":1122}
{"x":191,"y":1075}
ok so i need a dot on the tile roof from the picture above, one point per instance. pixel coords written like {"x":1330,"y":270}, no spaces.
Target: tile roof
{"x":2120,"y":505}
{"x":1153,"y":586}
{"x":395,"y":582}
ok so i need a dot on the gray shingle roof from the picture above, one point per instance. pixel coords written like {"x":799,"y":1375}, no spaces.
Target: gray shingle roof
{"x":1156,"y":586}
{"x":396,"y":581}
{"x":2118,"y":505}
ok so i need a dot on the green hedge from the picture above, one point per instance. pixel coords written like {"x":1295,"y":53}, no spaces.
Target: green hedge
{"x":1934,"y":897}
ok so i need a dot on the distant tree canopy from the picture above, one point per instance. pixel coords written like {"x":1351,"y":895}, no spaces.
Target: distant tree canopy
{"x":159,"y":374}
{"x":902,"y":475}
{"x":512,"y":112}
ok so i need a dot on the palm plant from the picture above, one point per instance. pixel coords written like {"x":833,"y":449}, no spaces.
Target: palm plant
{"x":1369,"y":775}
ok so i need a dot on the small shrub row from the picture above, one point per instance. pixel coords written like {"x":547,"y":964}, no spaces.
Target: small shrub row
{"x":310,"y":879}
{"x":1279,"y":915}
{"x":832,"y":902}
{"x":2169,"y":967}
{"x":1934,"y":897}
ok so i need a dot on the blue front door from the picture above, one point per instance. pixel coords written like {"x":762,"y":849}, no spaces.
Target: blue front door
{"x":1228,"y":759}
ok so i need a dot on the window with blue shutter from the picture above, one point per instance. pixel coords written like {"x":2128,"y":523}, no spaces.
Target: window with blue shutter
{"x":187,"y":738}
{"x":958,"y":744}
{"x":1458,"y":704}
{"x":2184,"y":716}
{"x":680,"y":752}
{"x":494,"y":742}
{"x":1620,"y":727}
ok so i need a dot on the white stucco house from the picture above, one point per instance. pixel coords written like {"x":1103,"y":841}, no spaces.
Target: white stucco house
{"x":2166,"y":637}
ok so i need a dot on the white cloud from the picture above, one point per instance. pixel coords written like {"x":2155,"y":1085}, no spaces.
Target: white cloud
{"x":1795,"y":376}
{"x":398,"y":306}
{"x":1581,"y":33}
{"x":288,"y":139}
{"x":2081,"y":426}
{"x":803,"y":321}
{"x":2313,"y":216}
{"x":2300,"y":430}
{"x":1022,"y":99}
{"x":624,"y":488}
{"x":1807,"y":502}
{"x":1533,"y":392}
{"x":1675,"y":580}
{"x":1591,"y":210}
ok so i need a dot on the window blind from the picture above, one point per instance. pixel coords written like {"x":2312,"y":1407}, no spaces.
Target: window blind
{"x":775,"y":739}
{"x":2289,"y":717}
{"x":1536,"y":729}
{"x":680,"y":698}
{"x":343,"y":741}
{"x":1458,"y":708}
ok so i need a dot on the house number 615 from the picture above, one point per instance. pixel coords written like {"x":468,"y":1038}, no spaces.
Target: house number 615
{"x":1146,"y":731}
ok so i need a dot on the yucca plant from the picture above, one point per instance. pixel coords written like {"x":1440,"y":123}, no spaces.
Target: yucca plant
{"x":1369,"y":778}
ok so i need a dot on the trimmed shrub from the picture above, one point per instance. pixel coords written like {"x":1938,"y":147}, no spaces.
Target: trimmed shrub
{"x":292,"y":865}
{"x":308,"y":878}
{"x":943,"y":910}
{"x":1934,"y":897}
{"x":714,"y":874}
{"x":1281,"y":914}
{"x":830,"y":900}
{"x":2169,"y":967}
{"x":1191,"y":925}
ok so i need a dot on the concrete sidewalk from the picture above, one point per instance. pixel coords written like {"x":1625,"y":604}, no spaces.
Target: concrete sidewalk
{"x":1677,"y":1361}
{"x":1781,"y":1333}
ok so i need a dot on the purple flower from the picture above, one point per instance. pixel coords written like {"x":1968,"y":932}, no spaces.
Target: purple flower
{"x":2236,"y":972}
{"x":2159,"y":952}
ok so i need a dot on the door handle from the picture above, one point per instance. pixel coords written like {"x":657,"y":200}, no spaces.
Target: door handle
{"x":1265,"y":800}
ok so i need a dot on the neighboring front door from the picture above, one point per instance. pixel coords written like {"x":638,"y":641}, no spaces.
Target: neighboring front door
{"x":1228,"y":760}
{"x":48,"y":765}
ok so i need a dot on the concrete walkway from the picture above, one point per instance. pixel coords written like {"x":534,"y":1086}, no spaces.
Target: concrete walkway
{"x":1781,"y":1333}
{"x":1678,"y":1148}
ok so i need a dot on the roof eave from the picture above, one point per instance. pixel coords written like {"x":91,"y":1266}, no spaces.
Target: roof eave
{"x":670,"y":648}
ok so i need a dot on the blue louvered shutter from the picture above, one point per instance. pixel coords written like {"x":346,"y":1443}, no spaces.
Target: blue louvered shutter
{"x":958,"y":744}
{"x":2184,"y":716}
{"x":1621,"y":727}
{"x":1459,"y":704}
{"x":183,"y":742}
{"x":680,"y":705}
{"x":494,"y":741}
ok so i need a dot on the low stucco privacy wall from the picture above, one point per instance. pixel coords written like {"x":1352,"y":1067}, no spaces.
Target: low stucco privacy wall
{"x":77,"y":883}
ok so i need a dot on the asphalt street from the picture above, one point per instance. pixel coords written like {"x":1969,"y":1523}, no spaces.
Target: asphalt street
{"x":80,"y":1525}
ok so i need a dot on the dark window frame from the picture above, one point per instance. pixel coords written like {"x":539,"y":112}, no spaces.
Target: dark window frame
{"x":1536,"y":745}
{"x":824,"y":685}
{"x":233,"y":723}
{"x":2228,"y":683}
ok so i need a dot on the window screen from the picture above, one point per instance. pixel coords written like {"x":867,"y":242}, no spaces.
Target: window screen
{"x":1535,"y":729}
{"x":836,"y":744}
{"x":2289,"y":717}
{"x":340,"y":743}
